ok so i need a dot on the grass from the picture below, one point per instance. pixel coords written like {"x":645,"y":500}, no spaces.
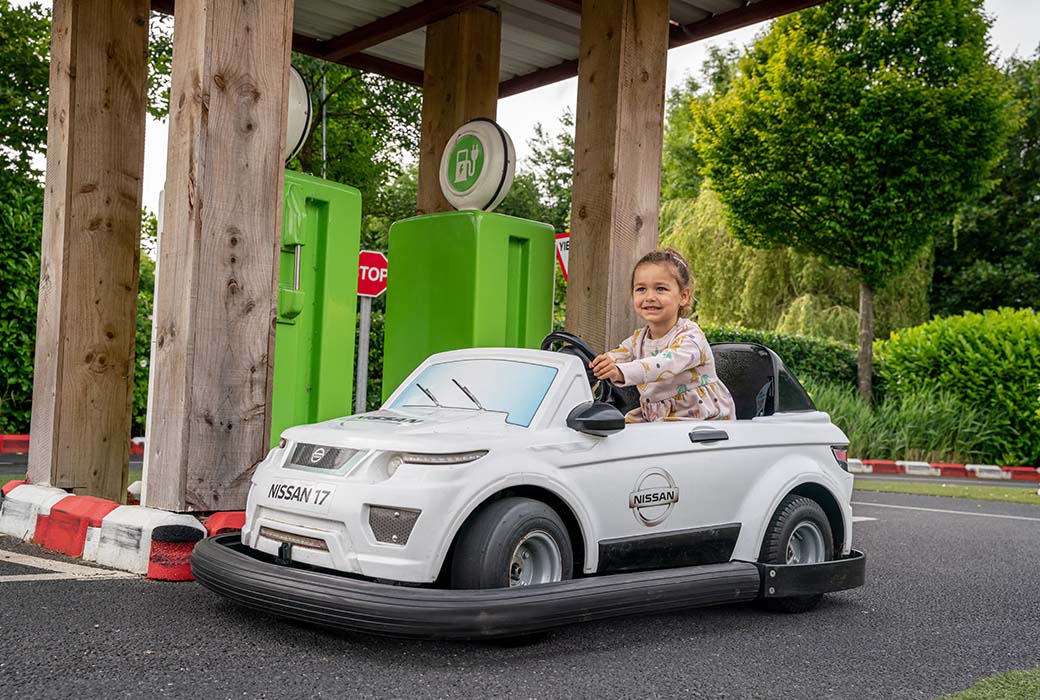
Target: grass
{"x":1016,"y":685}
{"x":979,"y":492}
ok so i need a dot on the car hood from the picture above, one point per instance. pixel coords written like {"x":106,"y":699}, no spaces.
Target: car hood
{"x":437,"y":430}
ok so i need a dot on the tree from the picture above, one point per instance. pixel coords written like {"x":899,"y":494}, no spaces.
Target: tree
{"x":552,"y":163}
{"x":853,"y":131}
{"x":680,"y":164}
{"x":990,"y":256}
{"x":25,"y":72}
{"x":372,"y":124}
{"x":780,"y":290}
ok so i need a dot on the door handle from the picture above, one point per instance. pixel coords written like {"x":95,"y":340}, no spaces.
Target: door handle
{"x":708,"y":435}
{"x":296,"y":267}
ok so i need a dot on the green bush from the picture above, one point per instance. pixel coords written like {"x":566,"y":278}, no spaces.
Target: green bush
{"x":922,"y":424}
{"x":21,"y":216}
{"x":989,"y":361}
{"x":808,"y":358}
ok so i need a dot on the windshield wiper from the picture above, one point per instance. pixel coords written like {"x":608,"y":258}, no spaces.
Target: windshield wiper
{"x":430,"y":395}
{"x":468,"y":394}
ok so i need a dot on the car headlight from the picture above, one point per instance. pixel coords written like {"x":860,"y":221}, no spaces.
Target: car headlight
{"x":414,"y":458}
{"x":393,"y":464}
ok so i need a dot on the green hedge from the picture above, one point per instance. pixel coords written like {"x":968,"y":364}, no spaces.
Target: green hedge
{"x":989,"y":361}
{"x":809,"y":358}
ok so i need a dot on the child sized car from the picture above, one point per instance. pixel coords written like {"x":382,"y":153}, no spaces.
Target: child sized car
{"x":493,"y":495}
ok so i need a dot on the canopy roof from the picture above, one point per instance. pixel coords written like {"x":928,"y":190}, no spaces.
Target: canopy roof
{"x":539,"y":37}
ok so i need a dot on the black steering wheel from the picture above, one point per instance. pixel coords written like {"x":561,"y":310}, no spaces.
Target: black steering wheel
{"x":570,"y":344}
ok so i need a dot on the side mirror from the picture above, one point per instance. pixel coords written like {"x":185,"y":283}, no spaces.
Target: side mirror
{"x":595,"y":418}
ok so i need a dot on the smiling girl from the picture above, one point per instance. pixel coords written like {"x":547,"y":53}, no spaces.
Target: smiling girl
{"x":669,"y":360}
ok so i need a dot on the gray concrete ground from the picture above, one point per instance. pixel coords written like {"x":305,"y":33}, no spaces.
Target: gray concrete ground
{"x":950,"y":598}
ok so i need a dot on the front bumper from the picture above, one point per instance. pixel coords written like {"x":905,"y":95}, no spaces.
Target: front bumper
{"x":251,"y":578}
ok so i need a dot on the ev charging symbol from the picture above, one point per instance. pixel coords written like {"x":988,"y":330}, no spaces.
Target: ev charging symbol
{"x":465,"y":164}
{"x":467,"y":161}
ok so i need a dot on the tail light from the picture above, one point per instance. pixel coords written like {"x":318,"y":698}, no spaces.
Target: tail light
{"x":841,"y":456}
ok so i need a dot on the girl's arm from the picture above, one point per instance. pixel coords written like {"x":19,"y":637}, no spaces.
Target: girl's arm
{"x":605,"y":366}
{"x":685,"y":353}
{"x":623,"y":352}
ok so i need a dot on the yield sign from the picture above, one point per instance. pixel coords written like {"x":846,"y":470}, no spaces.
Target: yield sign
{"x":371,"y":281}
{"x":563,"y":251}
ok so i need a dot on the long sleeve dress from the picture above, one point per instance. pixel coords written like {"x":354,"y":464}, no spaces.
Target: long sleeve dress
{"x":675,"y":376}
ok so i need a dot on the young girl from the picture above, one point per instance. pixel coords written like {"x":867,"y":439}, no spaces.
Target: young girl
{"x":669,"y":360}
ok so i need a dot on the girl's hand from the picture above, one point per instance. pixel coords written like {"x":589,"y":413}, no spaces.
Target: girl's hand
{"x":604,"y":367}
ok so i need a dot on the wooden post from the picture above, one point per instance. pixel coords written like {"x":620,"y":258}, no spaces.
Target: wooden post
{"x":83,"y":379}
{"x":217,"y":275}
{"x":617,"y":162}
{"x":460,"y":83}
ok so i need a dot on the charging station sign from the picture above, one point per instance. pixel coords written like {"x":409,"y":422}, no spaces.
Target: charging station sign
{"x":371,"y":273}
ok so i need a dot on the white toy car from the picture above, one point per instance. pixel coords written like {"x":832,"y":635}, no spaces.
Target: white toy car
{"x":489,"y":471}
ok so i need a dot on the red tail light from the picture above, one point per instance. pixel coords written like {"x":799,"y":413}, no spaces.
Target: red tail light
{"x":841,"y":456}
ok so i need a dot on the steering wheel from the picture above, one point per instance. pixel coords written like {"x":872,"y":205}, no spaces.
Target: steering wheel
{"x":571,"y":344}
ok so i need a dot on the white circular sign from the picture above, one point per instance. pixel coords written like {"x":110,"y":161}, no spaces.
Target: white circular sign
{"x":477,"y":166}
{"x":299,"y":122}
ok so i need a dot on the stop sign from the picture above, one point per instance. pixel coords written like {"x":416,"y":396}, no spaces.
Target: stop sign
{"x":371,"y":281}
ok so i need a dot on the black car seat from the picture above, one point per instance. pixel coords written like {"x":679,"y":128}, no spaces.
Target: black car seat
{"x":749,"y":372}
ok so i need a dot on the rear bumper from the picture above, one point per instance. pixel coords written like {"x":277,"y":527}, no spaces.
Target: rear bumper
{"x":225,"y":566}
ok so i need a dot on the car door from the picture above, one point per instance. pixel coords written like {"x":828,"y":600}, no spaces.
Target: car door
{"x":667,"y":494}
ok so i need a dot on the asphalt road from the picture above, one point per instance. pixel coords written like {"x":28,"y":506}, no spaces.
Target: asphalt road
{"x":951,"y":597}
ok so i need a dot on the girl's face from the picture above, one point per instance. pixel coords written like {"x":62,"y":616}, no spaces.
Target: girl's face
{"x":656,"y":295}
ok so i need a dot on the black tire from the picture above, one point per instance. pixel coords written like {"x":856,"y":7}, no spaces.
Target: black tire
{"x":484,"y":552}
{"x":792,"y":512}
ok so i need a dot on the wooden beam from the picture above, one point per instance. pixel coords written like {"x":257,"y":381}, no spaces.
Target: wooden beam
{"x":735,"y":19}
{"x":460,"y":84}
{"x":385,"y":28}
{"x":617,"y":162}
{"x":215,"y":305}
{"x":523,"y":83}
{"x":570,"y":5}
{"x":86,"y":327}
{"x":678,"y":36}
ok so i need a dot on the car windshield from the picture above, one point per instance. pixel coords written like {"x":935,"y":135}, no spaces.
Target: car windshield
{"x":509,"y":386}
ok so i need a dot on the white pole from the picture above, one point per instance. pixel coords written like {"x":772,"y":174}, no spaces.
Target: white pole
{"x":361,"y":383}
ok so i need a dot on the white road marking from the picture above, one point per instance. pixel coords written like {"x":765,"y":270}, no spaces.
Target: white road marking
{"x":951,"y":512}
{"x":60,"y":570}
{"x":861,"y":519}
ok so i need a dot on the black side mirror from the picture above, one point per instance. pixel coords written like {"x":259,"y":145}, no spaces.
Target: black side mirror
{"x":596,"y":418}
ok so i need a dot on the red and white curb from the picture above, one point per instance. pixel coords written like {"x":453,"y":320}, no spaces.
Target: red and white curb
{"x":937,"y":469}
{"x":19,"y":445}
{"x":147,"y":541}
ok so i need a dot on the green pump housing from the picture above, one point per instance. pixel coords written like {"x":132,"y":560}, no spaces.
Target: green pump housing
{"x":317,"y":302}
{"x":465,"y":279}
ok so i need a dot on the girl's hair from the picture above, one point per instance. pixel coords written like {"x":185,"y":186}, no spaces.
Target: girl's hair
{"x":680,"y":268}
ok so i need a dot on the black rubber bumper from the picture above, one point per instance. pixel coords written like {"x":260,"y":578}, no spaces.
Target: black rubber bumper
{"x":226,"y":567}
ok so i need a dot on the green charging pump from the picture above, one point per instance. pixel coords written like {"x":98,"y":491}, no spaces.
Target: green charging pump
{"x":467,"y":278}
{"x":317,"y":302}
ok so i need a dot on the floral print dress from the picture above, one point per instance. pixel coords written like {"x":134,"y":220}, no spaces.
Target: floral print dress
{"x":675,"y":376}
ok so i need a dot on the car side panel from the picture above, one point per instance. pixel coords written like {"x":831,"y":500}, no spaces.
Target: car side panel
{"x":763,"y":497}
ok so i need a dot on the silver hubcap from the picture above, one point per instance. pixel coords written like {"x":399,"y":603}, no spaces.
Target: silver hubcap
{"x":805,"y":545}
{"x":535,"y":560}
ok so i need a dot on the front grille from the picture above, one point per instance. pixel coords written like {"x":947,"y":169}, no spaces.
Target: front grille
{"x":291,"y":538}
{"x":392,"y":525}
{"x":320,"y":456}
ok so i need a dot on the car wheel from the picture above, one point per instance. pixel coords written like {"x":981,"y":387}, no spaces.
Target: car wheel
{"x":798,"y":534}
{"x":510,"y":543}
